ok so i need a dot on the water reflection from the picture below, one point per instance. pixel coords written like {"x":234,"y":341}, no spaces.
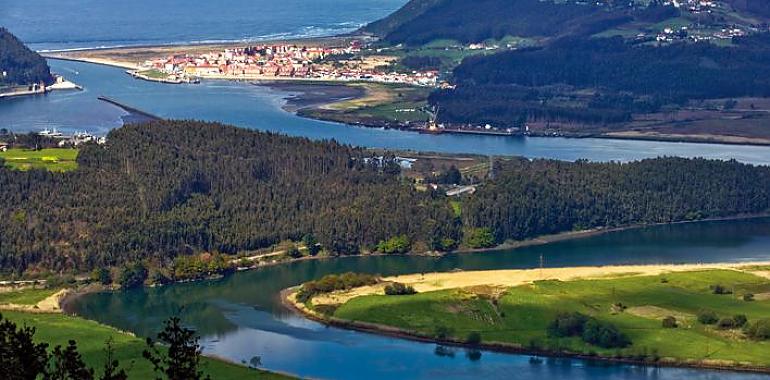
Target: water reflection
{"x":240,"y":317}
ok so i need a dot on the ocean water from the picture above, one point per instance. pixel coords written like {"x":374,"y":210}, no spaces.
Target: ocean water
{"x":76,"y":24}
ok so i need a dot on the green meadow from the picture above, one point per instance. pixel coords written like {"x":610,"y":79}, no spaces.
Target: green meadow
{"x":26,"y":297}
{"x":54,"y":159}
{"x":636,"y":305}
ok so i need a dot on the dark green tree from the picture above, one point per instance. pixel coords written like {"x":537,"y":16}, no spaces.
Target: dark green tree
{"x":20,"y":357}
{"x":179,"y":357}
{"x":67,"y":364}
{"x":311,"y":244}
{"x":112,"y":369}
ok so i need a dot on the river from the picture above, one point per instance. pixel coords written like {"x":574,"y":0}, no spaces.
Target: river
{"x":240,"y":317}
{"x":260,"y":107}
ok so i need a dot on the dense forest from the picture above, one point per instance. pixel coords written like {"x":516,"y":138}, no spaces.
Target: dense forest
{"x":423,"y":21}
{"x":529,"y":198}
{"x":170,"y":188}
{"x":18,"y":64}
{"x":176,"y":188}
{"x":550,"y":83}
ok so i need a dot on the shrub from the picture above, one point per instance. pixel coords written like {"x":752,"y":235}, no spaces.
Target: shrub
{"x":395,"y":245}
{"x":591,"y":330}
{"x":443,"y":332}
{"x":293,"y":252}
{"x":333,"y":282}
{"x":748,"y":297}
{"x":719,"y":289}
{"x":133,"y":275}
{"x":399,"y":289}
{"x":707,"y":317}
{"x":726,"y":323}
{"x":311,"y":244}
{"x":474,"y":338}
{"x":669,"y":323}
{"x":604,"y":335}
{"x":567,"y":324}
{"x":102,"y":275}
{"x":479,"y":238}
{"x":759,"y":330}
{"x":740,"y":320}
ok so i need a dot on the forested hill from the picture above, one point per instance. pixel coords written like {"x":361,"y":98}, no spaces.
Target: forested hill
{"x":423,"y":21}
{"x":170,"y":188}
{"x":18,"y":64}
{"x":622,"y":78}
{"x":409,"y":12}
{"x":165,"y":189}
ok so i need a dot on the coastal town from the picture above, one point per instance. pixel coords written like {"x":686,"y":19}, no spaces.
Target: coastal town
{"x":282,"y":62}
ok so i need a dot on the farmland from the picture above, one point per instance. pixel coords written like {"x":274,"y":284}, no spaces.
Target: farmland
{"x":57,"y":160}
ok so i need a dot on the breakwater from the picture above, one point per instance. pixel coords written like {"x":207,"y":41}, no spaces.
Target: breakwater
{"x":135,"y":115}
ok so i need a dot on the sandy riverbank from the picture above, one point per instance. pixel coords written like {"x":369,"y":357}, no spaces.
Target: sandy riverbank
{"x":51,"y":304}
{"x":430,"y":282}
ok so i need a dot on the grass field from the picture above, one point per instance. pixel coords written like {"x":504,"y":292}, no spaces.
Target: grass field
{"x":154,"y":74}
{"x":387,"y":102}
{"x":58,"y":329}
{"x":26,"y":297}
{"x":519,"y":315}
{"x":58,"y":160}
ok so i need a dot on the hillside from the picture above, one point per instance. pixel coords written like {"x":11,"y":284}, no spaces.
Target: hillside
{"x":19,"y":65}
{"x":175,"y":188}
{"x":600,"y":81}
{"x":422,"y":21}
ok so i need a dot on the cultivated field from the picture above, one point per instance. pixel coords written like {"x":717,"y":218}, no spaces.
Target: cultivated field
{"x":57,"y":160}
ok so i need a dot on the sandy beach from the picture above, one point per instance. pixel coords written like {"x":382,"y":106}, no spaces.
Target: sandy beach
{"x":132,"y":57}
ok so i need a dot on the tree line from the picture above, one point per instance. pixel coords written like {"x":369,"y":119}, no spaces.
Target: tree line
{"x":178,"y":195}
{"x":531,"y":198}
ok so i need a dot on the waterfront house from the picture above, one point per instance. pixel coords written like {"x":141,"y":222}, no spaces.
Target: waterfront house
{"x":270,"y":69}
{"x":206,"y":70}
